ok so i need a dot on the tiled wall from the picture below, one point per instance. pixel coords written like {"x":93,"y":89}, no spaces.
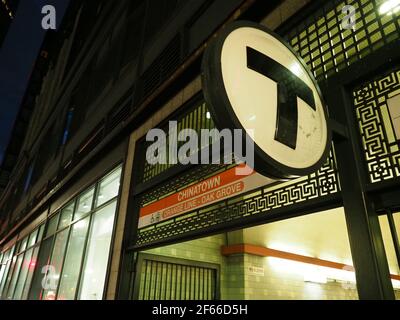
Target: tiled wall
{"x":278,"y":284}
{"x":235,"y":290}
{"x":241,"y":277}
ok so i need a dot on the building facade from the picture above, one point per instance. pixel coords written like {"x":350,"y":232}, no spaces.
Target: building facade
{"x":7,"y":13}
{"x":79,"y":215}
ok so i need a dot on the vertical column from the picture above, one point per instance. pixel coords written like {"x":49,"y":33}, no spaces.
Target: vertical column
{"x":117,"y":252}
{"x":367,"y":248}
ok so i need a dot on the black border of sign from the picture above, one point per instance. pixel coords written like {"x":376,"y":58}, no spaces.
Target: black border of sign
{"x":219,"y":105}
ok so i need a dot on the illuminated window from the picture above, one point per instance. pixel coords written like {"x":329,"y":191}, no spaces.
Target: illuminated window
{"x":84,"y":205}
{"x":74,"y":255}
{"x":16,"y":271}
{"x":109,"y":187}
{"x":94,"y":272}
{"x":73,"y":260}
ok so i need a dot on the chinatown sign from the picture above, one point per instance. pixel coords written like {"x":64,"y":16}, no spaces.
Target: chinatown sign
{"x":212,"y":190}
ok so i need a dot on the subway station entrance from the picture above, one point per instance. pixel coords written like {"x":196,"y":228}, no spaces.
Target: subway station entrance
{"x":333,"y":234}
{"x":90,"y":215}
{"x":277,"y":240}
{"x":290,"y":259}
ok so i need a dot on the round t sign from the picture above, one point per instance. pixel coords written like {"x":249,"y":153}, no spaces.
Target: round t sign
{"x":253,"y":80}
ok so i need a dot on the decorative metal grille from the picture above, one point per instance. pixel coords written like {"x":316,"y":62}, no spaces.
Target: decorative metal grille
{"x":259,"y":202}
{"x":196,"y":119}
{"x":382,"y":153}
{"x":160,"y":280}
{"x":328,"y":48}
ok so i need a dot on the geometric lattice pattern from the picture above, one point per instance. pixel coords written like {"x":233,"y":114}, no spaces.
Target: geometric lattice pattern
{"x":262,"y":201}
{"x":381,"y":147}
{"x":327,"y":47}
{"x":196,"y":119}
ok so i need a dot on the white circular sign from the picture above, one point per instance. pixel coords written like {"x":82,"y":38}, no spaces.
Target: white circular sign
{"x":253,"y":80}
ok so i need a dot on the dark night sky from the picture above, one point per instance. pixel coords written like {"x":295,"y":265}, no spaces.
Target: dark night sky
{"x":17,"y":57}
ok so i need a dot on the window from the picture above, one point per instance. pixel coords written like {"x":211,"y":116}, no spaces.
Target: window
{"x":31,"y":269}
{"x":32,"y":238}
{"x":21,"y":269}
{"x":23,"y":274}
{"x":40,"y":233}
{"x":2,"y":255}
{"x":109,"y":187}
{"x":66,"y":215}
{"x":35,"y":292}
{"x":96,"y":259}
{"x":14,"y":276}
{"x":73,"y":260}
{"x":84,"y":204}
{"x":23,"y":244}
{"x":54,"y":269}
{"x":52,"y":225}
{"x":8,"y":277}
{"x":5,"y":268}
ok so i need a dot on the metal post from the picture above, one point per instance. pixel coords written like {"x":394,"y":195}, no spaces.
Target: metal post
{"x":367,"y":248}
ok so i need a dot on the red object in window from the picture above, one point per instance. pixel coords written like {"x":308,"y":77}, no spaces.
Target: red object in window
{"x":50,"y":296}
